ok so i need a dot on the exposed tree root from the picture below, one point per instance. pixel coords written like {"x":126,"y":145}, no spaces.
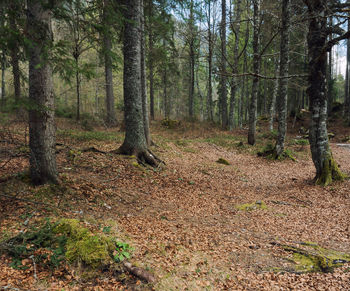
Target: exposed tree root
{"x":139,"y":272}
{"x":330,"y":173}
{"x":144,"y":156}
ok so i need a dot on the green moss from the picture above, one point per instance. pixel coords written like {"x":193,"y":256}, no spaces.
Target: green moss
{"x":252,"y":206}
{"x":330,"y":173}
{"x":83,"y":246}
{"x":223,"y":162}
{"x":315,"y":258}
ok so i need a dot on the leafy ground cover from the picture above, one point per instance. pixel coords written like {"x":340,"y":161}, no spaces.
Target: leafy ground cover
{"x":184,"y":222}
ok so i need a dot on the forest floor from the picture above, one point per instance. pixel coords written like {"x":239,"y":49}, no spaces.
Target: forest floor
{"x":182,"y":219}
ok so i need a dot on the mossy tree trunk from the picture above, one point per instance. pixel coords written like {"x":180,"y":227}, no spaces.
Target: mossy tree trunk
{"x":41,"y":115}
{"x":326,"y":168}
{"x":135,"y":140}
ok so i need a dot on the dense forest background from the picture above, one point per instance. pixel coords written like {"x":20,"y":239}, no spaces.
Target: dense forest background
{"x":184,"y":56}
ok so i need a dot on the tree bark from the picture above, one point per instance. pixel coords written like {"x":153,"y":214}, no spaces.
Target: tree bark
{"x":3,"y":84}
{"x":256,"y":69}
{"x":236,"y":30}
{"x":14,"y":47}
{"x":326,"y":168}
{"x":283,"y":83}
{"x":223,"y":78}
{"x":210,"y":68}
{"x":192,"y":64}
{"x":274,"y":96}
{"x":135,"y":140}
{"x":41,"y":115}
{"x":150,"y":59}
{"x":143,"y":78}
{"x":107,"y":46}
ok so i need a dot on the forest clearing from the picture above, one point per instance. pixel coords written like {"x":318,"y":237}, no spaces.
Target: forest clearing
{"x":182,"y":220}
{"x":174,"y":145}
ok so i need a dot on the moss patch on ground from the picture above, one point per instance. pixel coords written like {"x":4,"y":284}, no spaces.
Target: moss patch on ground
{"x":313,"y":258}
{"x":252,"y":206}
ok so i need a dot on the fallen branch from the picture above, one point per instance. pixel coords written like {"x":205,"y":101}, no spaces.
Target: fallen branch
{"x":139,"y":272}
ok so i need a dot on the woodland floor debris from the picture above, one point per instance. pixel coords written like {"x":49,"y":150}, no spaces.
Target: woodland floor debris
{"x":182,"y":220}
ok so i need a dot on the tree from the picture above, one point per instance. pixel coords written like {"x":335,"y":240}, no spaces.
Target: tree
{"x":256,"y":69}
{"x":283,"y":82}
{"x":107,"y":50}
{"x":326,"y":168}
{"x":223,"y":77}
{"x":41,"y":114}
{"x":235,"y":27}
{"x":135,"y":141}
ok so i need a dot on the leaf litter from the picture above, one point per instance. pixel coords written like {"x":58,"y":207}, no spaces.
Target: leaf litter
{"x":183,"y":221}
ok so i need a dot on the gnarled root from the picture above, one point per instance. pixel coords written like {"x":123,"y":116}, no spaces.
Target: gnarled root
{"x":144,"y":156}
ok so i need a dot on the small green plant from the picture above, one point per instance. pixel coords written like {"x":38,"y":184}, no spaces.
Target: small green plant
{"x":301,"y":142}
{"x":122,"y":252}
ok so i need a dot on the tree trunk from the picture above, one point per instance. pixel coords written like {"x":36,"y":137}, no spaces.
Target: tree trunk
{"x":236,"y":29}
{"x":192,"y":64}
{"x":3,"y":85}
{"x":283,"y":83}
{"x":14,"y":47}
{"x":135,"y":141}
{"x":256,"y":67}
{"x":143,"y":78}
{"x":107,"y":43}
{"x":223,"y":78}
{"x":150,"y":60}
{"x":326,"y":168}
{"x":210,"y":68}
{"x":274,"y":95}
{"x":41,"y":115}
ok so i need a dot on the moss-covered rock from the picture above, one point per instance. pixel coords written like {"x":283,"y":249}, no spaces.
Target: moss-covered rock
{"x":252,"y":206}
{"x":83,"y":246}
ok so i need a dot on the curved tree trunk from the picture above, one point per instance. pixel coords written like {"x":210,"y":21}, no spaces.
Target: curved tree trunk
{"x":41,"y":115}
{"x":135,"y":141}
{"x":326,"y":168}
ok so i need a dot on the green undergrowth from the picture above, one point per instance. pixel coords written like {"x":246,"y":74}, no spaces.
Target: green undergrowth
{"x":313,"y":258}
{"x":90,"y":135}
{"x":252,"y":206}
{"x":65,"y":241}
